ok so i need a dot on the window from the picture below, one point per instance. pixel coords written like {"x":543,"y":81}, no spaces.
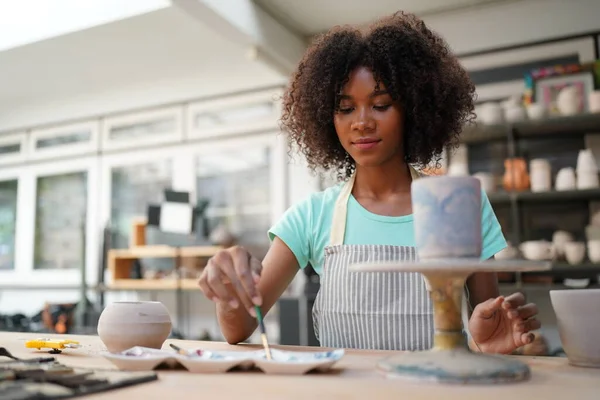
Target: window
{"x":133,"y":188}
{"x":242,"y":114}
{"x":237,"y":184}
{"x":8,"y":223}
{"x":72,"y":140}
{"x":143,"y":129}
{"x":12,"y":148}
{"x":60,"y":221}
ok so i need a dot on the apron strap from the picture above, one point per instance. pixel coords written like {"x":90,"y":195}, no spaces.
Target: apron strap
{"x":338,"y":223}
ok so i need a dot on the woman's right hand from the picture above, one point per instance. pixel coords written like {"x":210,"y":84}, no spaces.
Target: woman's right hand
{"x":230,"y":277}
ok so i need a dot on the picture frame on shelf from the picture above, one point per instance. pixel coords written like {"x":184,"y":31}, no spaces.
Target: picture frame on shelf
{"x":498,"y":74}
{"x":547,"y":89}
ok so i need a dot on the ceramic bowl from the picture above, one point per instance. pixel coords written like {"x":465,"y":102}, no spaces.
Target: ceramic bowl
{"x":578,"y":319}
{"x":123,"y":325}
{"x":447,"y":216}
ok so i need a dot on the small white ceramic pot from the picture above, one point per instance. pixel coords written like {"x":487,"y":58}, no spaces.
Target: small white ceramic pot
{"x":536,"y":111}
{"x":488,"y":183}
{"x":565,"y":179}
{"x":538,"y":250}
{"x":126,"y":324}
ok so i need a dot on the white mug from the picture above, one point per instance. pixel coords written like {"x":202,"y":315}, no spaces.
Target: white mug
{"x":574,"y":252}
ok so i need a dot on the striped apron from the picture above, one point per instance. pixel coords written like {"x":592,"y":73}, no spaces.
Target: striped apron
{"x":376,"y":310}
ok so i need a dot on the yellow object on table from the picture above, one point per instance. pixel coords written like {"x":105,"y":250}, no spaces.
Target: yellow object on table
{"x":56,"y":345}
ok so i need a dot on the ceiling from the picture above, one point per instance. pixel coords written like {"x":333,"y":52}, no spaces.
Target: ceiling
{"x":27,"y":21}
{"x":133,"y":57}
{"x":309,"y":17}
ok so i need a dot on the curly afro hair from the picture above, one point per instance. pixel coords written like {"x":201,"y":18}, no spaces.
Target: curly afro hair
{"x":415,"y":66}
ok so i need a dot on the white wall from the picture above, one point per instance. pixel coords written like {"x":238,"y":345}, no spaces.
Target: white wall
{"x":515,"y":22}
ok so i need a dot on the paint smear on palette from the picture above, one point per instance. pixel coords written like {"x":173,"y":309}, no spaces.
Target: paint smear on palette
{"x":305,"y":357}
{"x":143,"y":352}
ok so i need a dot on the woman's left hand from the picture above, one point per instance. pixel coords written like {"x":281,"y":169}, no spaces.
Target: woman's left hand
{"x":503,"y":324}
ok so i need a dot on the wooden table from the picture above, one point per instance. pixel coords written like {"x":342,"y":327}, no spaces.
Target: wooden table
{"x":354,"y":377}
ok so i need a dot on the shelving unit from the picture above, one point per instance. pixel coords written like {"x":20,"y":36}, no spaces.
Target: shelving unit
{"x":542,"y":197}
{"x":509,"y":137}
{"x":151,"y":284}
{"x":120,"y":263}
{"x":551,"y":126}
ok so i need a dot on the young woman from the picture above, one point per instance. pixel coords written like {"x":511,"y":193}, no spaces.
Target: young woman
{"x":369,"y":104}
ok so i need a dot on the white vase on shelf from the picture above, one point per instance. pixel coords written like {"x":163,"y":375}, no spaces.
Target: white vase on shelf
{"x":569,"y":101}
{"x":540,"y":173}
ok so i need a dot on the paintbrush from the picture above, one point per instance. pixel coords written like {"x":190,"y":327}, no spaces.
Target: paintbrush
{"x":179,"y":350}
{"x":263,"y":332}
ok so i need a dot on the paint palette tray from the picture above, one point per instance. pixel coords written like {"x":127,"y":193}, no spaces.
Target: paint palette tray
{"x":219,"y":361}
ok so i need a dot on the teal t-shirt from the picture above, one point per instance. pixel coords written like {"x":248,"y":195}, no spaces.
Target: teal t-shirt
{"x":305,"y":227}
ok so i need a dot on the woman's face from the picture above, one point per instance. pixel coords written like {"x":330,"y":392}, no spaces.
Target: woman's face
{"x":368,"y":123}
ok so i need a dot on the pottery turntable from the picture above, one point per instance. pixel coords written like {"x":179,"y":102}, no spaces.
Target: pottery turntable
{"x":447,"y":221}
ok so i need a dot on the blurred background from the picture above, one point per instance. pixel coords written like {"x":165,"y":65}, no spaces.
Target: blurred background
{"x":138,"y":137}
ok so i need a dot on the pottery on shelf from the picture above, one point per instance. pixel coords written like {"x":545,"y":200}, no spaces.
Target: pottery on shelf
{"x":449,"y":213}
{"x":515,"y":176}
{"x":578,"y":320}
{"x":538,"y":250}
{"x":126,"y":324}
{"x":515,"y":114}
{"x":491,"y":113}
{"x":488,"y":181}
{"x":536,"y":111}
{"x":593,"y":250}
{"x":459,"y":162}
{"x":569,"y":101}
{"x":565,"y":179}
{"x":575,"y":252}
{"x":540,"y":173}
{"x":508,"y":253}
{"x":586,"y":162}
{"x":587,"y":170}
{"x":559,"y":240}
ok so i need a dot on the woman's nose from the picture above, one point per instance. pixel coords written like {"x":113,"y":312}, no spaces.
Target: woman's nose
{"x":362,"y":122}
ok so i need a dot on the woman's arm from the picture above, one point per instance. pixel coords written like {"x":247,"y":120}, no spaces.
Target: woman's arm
{"x":279,"y":267}
{"x":482,"y":286}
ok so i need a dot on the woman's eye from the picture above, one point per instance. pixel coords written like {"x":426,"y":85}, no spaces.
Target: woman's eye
{"x":345,"y":110}
{"x":382,"y":107}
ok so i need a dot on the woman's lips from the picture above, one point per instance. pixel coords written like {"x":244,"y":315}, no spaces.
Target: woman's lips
{"x":365,"y":144}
